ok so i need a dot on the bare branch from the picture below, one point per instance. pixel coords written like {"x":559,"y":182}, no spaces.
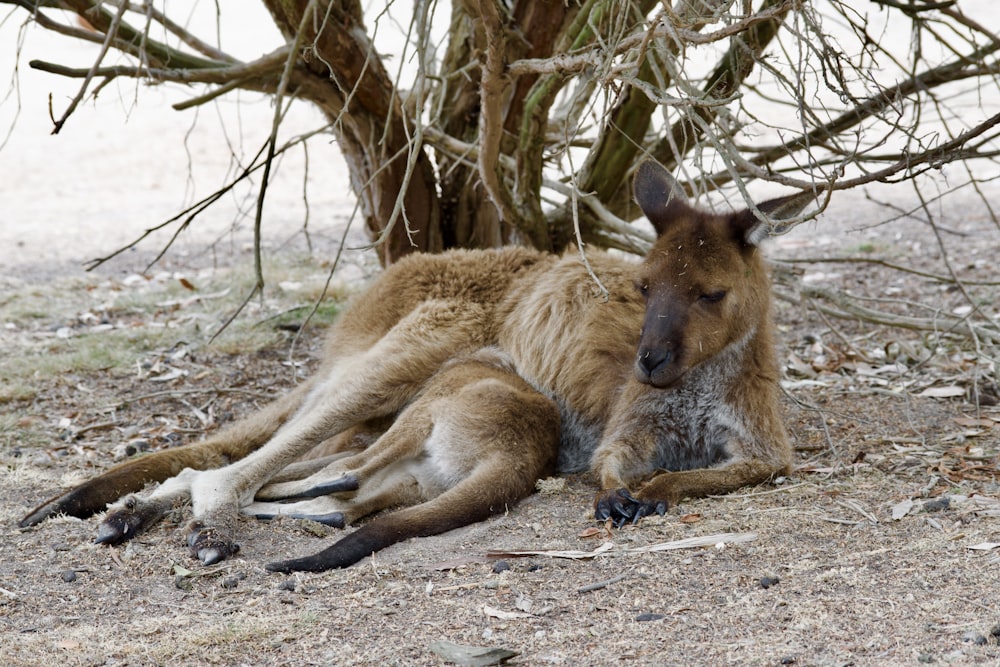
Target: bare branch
{"x":492,"y":89}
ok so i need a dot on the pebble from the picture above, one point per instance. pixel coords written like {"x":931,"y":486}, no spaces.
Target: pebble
{"x":767,"y":582}
{"x":69,"y":576}
{"x":938,"y":504}
{"x":649,"y":616}
{"x":973,"y":637}
{"x":500,"y":566}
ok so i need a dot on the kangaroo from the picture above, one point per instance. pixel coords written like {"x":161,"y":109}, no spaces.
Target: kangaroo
{"x":667,"y":388}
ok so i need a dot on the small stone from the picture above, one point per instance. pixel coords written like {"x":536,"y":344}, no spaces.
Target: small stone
{"x":973,"y":637}
{"x":925,"y":658}
{"x":500,"y":566}
{"x":938,"y":504}
{"x":649,"y":616}
{"x":230,"y":582}
{"x":287,"y":585}
{"x":788,"y":660}
{"x":69,"y":576}
{"x":767,"y":582}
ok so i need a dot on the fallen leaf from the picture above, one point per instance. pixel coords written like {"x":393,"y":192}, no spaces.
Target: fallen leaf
{"x":899,"y":510}
{"x":694,"y":542}
{"x":949,"y":391}
{"x":170,"y":375}
{"x":972,"y":423}
{"x":187,"y":284}
{"x":588,"y":533}
{"x":555,"y":553}
{"x":471,"y":656}
{"x":690,"y":518}
{"x":493,"y":612}
{"x":985,"y":546}
{"x":181,"y":571}
{"x":799,"y":367}
{"x":717,"y":541}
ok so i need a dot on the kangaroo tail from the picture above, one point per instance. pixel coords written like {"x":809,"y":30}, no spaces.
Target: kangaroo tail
{"x":233,"y":443}
{"x":491,"y":488}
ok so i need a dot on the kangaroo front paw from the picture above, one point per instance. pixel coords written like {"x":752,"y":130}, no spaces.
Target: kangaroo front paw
{"x":208,"y":545}
{"x":125,"y":522}
{"x":622,"y":507}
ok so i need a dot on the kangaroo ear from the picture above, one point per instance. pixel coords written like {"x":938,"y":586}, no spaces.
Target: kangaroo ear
{"x":753,"y":230}
{"x":659,"y":195}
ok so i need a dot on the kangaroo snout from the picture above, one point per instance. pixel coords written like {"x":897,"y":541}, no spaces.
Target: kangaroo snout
{"x":656,"y":366}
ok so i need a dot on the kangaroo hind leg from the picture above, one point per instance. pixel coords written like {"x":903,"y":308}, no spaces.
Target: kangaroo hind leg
{"x":374,"y":383}
{"x":386,"y":474}
{"x":493,"y":436}
{"x":232,"y":443}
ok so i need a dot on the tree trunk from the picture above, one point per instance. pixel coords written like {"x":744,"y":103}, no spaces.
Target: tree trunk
{"x":356,"y":94}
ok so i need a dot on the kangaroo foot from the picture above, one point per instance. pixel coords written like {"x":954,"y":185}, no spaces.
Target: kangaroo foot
{"x":622,"y":507}
{"x":209,"y":545}
{"x":295,"y":491}
{"x":131,"y":517}
{"x":332,"y":519}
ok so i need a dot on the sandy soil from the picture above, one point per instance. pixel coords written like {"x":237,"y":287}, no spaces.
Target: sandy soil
{"x":877,"y":551}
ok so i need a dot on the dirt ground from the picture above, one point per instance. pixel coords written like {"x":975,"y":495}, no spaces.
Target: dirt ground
{"x":881,"y":549}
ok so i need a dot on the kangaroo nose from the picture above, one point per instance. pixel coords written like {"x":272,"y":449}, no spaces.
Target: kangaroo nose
{"x":649,"y":360}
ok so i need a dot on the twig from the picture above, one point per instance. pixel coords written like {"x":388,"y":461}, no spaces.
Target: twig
{"x":601,"y":584}
{"x":598,"y":55}
{"x":246,"y":73}
{"x":848,"y":309}
{"x":184,"y":392}
{"x":491,"y":123}
{"x":885,"y":263}
{"x":109,"y":36}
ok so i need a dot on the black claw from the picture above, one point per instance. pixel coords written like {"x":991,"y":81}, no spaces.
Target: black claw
{"x":207,"y":546}
{"x":117,"y":527}
{"x":123,"y":524}
{"x":622,"y":507}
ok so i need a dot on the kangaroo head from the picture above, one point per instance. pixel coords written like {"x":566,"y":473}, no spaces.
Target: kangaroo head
{"x":704,"y":282}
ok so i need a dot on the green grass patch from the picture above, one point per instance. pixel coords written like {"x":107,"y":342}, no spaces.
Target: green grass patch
{"x":88,"y":325}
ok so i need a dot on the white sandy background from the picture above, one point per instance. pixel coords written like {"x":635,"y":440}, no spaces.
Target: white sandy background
{"x":127,"y":161}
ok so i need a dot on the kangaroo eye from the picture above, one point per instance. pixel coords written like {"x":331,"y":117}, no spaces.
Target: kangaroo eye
{"x":713,"y":297}
{"x":642,"y":287}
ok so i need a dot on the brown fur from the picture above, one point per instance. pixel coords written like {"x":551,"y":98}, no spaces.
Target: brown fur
{"x":472,"y":443}
{"x":668,"y":388}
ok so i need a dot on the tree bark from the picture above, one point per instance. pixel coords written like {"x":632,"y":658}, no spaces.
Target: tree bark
{"x":356,"y":94}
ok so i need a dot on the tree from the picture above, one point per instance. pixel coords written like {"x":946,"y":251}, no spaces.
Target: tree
{"x":526,"y":124}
